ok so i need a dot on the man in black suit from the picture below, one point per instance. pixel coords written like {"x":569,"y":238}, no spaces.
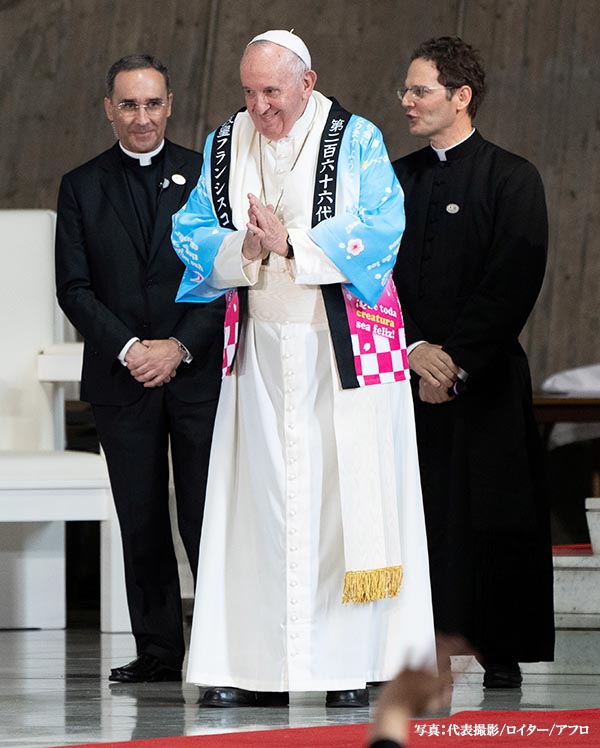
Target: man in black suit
{"x":151,"y":367}
{"x":468,"y":273}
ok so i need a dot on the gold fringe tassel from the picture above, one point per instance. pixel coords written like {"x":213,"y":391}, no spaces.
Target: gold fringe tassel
{"x":372,"y":584}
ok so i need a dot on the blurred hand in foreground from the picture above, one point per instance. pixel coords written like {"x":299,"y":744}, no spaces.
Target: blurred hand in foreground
{"x":414,"y":692}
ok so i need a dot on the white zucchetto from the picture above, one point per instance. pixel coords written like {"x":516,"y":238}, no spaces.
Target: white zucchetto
{"x":288,"y":40}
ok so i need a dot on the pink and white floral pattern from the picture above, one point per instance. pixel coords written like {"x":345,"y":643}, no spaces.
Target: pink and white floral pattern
{"x":355,"y":246}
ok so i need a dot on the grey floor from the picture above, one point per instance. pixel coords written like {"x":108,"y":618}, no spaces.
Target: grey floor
{"x":54,"y":691}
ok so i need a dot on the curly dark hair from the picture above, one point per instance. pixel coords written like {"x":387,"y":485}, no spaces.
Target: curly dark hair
{"x":135,"y":62}
{"x":458,"y":64}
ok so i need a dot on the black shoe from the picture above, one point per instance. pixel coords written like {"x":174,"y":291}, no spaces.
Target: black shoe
{"x":353,"y":698}
{"x":502,"y":675}
{"x":230,"y":697}
{"x":144,"y":669}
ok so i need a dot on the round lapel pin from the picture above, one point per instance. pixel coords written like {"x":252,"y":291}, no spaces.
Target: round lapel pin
{"x":179,"y":179}
{"x":452,"y":208}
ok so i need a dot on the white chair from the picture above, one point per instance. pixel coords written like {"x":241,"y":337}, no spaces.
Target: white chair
{"x":41,"y":484}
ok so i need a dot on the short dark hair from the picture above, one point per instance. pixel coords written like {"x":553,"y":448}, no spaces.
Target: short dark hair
{"x":135,"y":62}
{"x":458,"y":64}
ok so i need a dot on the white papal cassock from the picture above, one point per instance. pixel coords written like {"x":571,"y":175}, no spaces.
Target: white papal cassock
{"x":268,"y":613}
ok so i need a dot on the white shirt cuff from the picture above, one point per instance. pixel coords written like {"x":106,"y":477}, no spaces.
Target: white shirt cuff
{"x":125,"y":348}
{"x":188,"y":358}
{"x":412,"y":346}
{"x":312,"y":266}
{"x":231,"y":268}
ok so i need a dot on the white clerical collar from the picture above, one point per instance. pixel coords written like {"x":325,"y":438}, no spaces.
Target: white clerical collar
{"x":145,"y":159}
{"x":441,"y":152}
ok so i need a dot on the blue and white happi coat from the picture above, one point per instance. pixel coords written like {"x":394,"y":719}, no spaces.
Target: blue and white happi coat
{"x":357,"y":222}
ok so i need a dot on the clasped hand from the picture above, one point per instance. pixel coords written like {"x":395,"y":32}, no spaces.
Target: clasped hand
{"x":153,"y":362}
{"x":437,"y":370}
{"x":265,"y":232}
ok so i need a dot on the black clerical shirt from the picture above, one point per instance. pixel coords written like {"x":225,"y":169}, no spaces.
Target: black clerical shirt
{"x":144,"y":184}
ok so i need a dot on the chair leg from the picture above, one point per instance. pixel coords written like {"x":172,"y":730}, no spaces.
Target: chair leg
{"x":114,"y":613}
{"x":32,"y":583}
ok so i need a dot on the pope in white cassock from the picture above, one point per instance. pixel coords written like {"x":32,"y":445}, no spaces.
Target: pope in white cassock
{"x":313,"y":572}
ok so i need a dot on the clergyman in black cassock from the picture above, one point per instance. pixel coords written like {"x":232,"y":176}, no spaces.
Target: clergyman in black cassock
{"x":468,"y":273}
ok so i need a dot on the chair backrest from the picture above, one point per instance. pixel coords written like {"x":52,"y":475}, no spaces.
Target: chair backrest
{"x":30,"y":320}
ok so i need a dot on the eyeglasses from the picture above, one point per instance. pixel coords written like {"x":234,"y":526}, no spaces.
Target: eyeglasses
{"x":130,"y":108}
{"x":420,"y":92}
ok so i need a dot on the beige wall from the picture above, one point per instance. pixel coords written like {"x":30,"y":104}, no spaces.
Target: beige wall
{"x":544,"y":102}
